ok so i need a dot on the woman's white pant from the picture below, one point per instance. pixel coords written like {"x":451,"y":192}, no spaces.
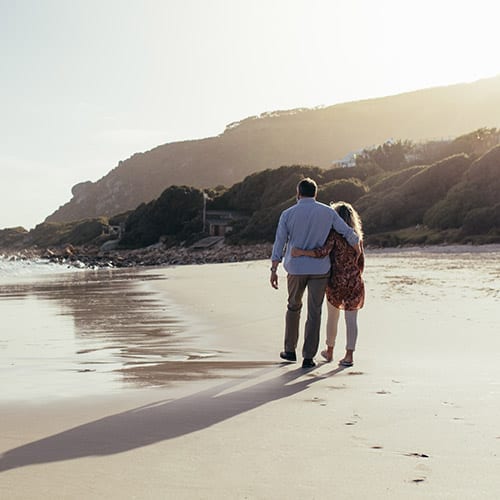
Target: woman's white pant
{"x":351,"y":324}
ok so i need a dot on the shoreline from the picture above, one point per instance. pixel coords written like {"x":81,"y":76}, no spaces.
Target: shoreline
{"x":155,"y":255}
{"x":160,"y":256}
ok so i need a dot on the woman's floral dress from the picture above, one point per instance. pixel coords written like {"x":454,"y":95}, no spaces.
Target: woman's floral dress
{"x":346,"y":288}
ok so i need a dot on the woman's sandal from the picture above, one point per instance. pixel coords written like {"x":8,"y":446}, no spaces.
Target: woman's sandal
{"x":345,"y":363}
{"x":327,"y":355}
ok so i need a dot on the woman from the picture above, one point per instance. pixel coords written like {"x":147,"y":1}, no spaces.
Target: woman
{"x":345,"y":289}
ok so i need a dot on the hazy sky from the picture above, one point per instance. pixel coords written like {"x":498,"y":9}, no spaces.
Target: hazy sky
{"x":87,"y":83}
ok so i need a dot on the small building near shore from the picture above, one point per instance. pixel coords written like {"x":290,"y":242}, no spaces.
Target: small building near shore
{"x":115,"y":230}
{"x":219,"y":222}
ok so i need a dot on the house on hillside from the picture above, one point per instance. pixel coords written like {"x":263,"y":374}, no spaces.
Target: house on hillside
{"x":349,"y":160}
{"x":219,"y":222}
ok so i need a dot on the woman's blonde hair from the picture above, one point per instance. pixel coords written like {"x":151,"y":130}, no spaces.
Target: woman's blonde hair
{"x":350,"y":216}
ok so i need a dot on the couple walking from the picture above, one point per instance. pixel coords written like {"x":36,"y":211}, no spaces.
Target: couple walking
{"x":322,"y":250}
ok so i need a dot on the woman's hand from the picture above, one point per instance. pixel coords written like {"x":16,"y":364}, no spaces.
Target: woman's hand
{"x":297,"y":252}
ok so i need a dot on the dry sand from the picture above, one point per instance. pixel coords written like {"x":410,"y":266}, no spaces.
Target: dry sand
{"x":416,"y":417}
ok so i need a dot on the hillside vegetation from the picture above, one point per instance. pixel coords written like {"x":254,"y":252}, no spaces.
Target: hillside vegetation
{"x":317,"y":137}
{"x":402,"y":200}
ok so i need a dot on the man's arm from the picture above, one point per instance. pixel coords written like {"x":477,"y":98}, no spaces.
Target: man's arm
{"x":278,"y":250}
{"x":346,"y":231}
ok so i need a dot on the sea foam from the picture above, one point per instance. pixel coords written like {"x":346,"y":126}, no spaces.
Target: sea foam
{"x":13,"y":266}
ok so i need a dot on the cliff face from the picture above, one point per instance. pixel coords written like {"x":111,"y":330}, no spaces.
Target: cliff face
{"x":305,"y":136}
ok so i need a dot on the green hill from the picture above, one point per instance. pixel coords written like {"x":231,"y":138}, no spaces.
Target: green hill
{"x":454,"y":199}
{"x":294,"y":137}
{"x":473,"y":204}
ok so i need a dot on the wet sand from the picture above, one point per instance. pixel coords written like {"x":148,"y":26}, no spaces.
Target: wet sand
{"x":217,"y":415}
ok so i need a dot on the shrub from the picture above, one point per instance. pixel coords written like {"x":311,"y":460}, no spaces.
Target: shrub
{"x":266,"y":189}
{"x":176,"y":214}
{"x":12,"y":237}
{"x":479,"y":187}
{"x":403,"y":199}
{"x":81,"y":232}
{"x":349,"y":190}
{"x":482,"y":220}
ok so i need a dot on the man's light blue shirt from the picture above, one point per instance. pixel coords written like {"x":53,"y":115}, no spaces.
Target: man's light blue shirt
{"x":306,"y":225}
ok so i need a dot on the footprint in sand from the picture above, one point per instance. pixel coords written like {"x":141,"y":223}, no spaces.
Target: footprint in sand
{"x":354,"y":420}
{"x":421,"y":468}
{"x":417,"y":455}
{"x":418,"y":480}
{"x":322,"y":402}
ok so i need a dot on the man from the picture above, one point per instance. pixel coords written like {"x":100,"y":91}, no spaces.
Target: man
{"x":305,"y":225}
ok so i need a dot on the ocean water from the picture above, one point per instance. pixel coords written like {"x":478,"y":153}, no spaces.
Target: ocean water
{"x":68,"y":332}
{"x":12,"y":267}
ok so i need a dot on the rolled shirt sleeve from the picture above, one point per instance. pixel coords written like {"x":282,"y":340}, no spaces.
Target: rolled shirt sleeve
{"x":280,"y":239}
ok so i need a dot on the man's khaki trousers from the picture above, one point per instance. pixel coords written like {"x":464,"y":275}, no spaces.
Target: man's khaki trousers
{"x":316,"y":286}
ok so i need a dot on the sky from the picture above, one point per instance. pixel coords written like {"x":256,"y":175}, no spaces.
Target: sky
{"x":87,"y":83}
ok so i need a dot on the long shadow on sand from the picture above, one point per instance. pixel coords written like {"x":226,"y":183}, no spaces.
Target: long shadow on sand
{"x":159,"y":421}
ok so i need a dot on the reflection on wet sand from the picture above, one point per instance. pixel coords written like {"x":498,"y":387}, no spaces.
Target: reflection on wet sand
{"x":86,"y":332}
{"x":121,"y":332}
{"x":163,"y":373}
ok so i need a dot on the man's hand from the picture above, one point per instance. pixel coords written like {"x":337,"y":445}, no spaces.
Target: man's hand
{"x":357,"y":248}
{"x":274,"y":279}
{"x":274,"y":274}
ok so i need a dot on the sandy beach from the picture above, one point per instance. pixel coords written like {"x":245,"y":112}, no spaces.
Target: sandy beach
{"x":217,"y":416}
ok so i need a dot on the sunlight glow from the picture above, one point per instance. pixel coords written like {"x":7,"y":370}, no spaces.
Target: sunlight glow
{"x":83,"y":91}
